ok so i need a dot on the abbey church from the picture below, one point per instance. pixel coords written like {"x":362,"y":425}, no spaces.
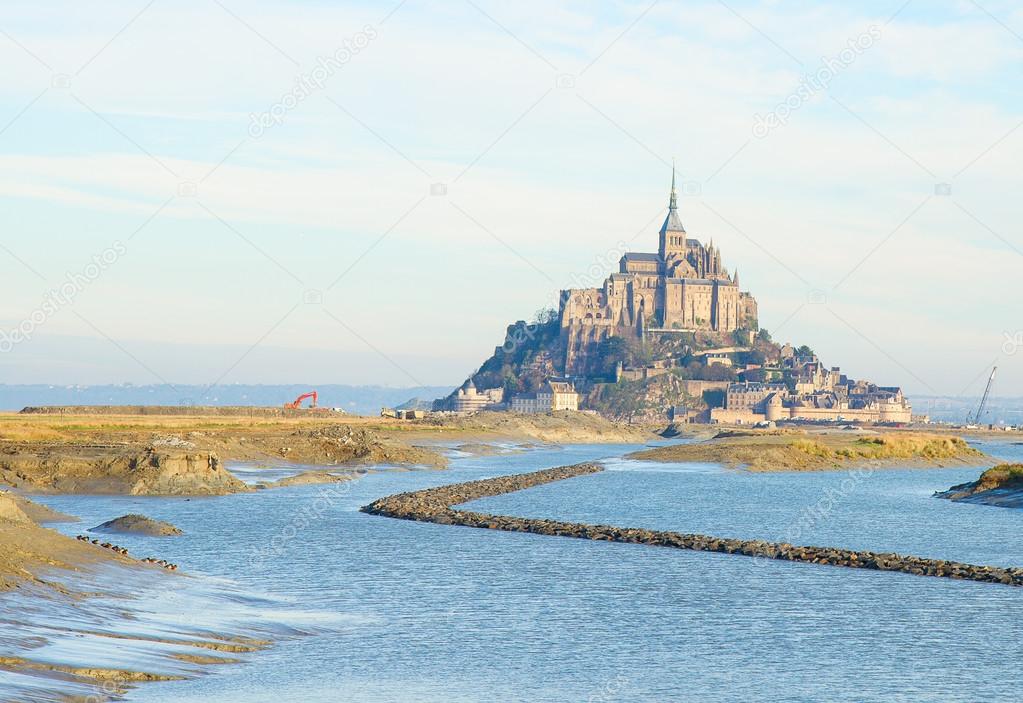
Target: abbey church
{"x":682,"y":287}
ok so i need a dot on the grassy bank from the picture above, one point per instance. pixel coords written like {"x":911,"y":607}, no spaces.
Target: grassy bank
{"x":820,"y":451}
{"x":1000,"y":486}
{"x":1002,"y":476}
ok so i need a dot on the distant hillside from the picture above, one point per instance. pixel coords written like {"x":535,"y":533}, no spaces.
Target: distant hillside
{"x":362,"y":400}
{"x":1000,"y":410}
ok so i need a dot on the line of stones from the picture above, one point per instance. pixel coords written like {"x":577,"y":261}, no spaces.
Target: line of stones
{"x":434,"y":505}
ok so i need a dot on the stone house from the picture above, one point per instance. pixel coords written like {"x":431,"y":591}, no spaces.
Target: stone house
{"x":551,"y":397}
{"x":469,"y":400}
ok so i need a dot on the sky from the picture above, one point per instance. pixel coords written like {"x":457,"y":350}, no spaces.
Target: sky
{"x":210,"y":191}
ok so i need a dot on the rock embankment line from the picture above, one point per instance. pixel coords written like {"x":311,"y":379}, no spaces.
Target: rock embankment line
{"x":434,"y":505}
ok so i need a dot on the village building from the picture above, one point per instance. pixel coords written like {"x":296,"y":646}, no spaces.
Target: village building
{"x":721,"y":359}
{"x":819,"y":395}
{"x":551,"y":397}
{"x":469,"y":400}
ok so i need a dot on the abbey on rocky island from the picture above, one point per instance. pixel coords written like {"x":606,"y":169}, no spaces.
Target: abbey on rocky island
{"x":682,"y":287}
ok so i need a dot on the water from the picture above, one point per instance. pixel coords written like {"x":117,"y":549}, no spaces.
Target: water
{"x":373,"y":609}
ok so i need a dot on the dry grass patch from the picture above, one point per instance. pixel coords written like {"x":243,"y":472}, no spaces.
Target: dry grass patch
{"x":1001,"y":476}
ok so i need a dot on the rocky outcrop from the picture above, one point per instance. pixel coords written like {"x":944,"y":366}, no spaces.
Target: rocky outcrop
{"x":333,"y":444}
{"x":180,"y":473}
{"x":434,"y":505}
{"x":106,"y":469}
{"x":1001,"y":486}
{"x":138,"y":525}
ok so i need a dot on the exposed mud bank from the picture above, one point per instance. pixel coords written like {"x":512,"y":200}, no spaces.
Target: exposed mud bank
{"x":104,"y":469}
{"x":170,"y":455}
{"x":434,"y":505}
{"x":562,"y":427}
{"x":308,"y":478}
{"x":28,"y":551}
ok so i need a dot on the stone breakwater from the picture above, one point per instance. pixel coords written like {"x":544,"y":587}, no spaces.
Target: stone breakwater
{"x":434,"y":505}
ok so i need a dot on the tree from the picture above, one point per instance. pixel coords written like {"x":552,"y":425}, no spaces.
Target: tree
{"x":764,"y":336}
{"x":630,"y":400}
{"x":611,"y":352}
{"x":714,"y":398}
{"x":804,"y":352}
{"x":755,"y":375}
{"x":640,"y":354}
{"x":714,"y":372}
{"x":718,"y":372}
{"x":755,"y":357}
{"x":545,"y":316}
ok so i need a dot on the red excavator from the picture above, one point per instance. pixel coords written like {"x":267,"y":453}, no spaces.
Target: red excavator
{"x":297,"y":402}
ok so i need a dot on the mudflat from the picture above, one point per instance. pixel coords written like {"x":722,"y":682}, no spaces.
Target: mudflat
{"x":144,"y":452}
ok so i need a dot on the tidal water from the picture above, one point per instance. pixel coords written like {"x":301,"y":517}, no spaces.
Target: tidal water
{"x":365,"y":608}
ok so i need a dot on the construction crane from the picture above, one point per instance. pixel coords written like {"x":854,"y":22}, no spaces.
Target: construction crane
{"x":983,"y":398}
{"x":297,"y":402}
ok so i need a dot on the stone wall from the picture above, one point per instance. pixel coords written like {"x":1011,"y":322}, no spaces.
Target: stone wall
{"x":434,"y":505}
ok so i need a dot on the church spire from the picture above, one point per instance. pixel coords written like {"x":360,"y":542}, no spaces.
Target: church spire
{"x":672,"y":223}
{"x":673,"y":202}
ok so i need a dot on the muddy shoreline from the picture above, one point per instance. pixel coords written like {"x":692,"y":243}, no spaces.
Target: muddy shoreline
{"x":61,"y":577}
{"x":435,"y":505}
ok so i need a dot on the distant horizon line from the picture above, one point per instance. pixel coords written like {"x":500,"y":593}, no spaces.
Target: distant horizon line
{"x":314,"y":385}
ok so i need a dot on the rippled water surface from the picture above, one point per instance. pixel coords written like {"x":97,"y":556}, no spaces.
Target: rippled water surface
{"x":373,"y":609}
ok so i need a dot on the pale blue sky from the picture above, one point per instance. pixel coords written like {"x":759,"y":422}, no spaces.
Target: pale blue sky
{"x":552,"y":126}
